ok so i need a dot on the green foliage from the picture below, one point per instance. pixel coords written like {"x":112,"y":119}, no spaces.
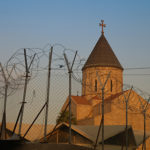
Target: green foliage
{"x":64,"y":117}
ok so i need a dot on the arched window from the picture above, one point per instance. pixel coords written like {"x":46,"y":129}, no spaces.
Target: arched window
{"x":111,"y":85}
{"x":95,"y":85}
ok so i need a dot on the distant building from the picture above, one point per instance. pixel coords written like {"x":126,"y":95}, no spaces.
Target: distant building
{"x":88,"y":108}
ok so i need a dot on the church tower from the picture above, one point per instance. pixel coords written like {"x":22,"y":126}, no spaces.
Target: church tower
{"x":101,"y":62}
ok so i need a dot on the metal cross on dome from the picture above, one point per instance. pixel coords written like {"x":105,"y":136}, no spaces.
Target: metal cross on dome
{"x":103,"y":25}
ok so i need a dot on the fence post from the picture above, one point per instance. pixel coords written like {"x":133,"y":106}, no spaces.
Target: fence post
{"x":48,"y":92}
{"x":70,"y":74}
{"x":27,"y":68}
{"x":102,"y":89}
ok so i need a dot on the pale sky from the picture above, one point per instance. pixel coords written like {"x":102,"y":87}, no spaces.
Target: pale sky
{"x":75,"y":24}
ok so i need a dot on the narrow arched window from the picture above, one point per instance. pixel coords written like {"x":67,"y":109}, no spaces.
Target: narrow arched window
{"x":111,"y":85}
{"x":95,"y":85}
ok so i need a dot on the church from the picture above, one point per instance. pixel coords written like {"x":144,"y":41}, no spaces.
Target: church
{"x":102,"y":78}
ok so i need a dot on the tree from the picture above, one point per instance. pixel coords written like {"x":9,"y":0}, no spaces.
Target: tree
{"x":64,"y":117}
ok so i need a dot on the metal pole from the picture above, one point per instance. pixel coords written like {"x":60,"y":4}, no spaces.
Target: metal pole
{"x":98,"y":134}
{"x":103,"y":88}
{"x":48,"y":92}
{"x":102,"y":118}
{"x":126,"y":129}
{"x":5,"y":101}
{"x":25,"y":88}
{"x":23,"y":102}
{"x":144,"y":142}
{"x":145,"y":109}
{"x":34,"y":120}
{"x":70,"y":89}
{"x":17,"y":120}
{"x":3,"y":128}
{"x":126,"y":124}
{"x":144,"y":115}
{"x":70,"y":74}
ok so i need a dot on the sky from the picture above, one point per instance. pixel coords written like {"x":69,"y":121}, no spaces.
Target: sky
{"x":75,"y":24}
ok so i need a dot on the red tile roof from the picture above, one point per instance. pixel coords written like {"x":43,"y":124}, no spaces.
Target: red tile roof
{"x":80,"y":100}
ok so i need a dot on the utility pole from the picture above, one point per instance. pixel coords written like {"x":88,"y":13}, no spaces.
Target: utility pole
{"x":70,"y":74}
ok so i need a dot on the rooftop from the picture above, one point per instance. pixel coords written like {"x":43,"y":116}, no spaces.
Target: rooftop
{"x":102,"y":56}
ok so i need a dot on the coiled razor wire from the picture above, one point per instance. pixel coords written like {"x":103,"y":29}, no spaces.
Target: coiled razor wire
{"x":38,"y":72}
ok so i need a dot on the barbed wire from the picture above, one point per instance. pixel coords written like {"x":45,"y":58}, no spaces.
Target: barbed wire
{"x":5,"y":79}
{"x":58,"y":61}
{"x":36,"y":92}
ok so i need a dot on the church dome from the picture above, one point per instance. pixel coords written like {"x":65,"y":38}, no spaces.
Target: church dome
{"x":102,"y":56}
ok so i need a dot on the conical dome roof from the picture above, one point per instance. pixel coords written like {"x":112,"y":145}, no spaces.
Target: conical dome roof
{"x":102,"y":56}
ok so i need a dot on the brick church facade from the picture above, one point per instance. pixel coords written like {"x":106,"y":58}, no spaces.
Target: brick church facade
{"x":88,"y":108}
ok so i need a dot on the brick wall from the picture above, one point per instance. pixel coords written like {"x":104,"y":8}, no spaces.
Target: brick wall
{"x":113,"y":86}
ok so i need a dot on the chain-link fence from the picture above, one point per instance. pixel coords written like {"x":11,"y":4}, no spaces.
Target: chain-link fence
{"x":26,"y":76}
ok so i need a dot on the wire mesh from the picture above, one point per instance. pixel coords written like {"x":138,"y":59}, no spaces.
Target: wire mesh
{"x":37,"y":84}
